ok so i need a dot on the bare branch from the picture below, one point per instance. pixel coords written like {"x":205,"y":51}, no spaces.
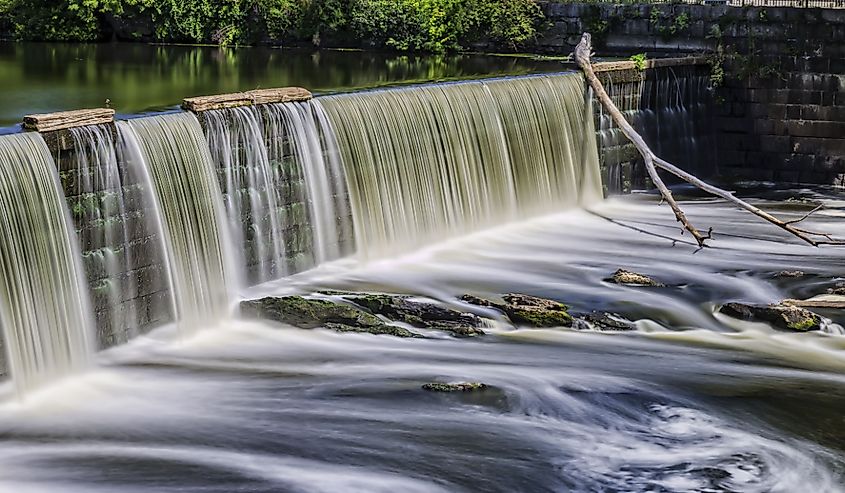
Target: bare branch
{"x":652,"y":162}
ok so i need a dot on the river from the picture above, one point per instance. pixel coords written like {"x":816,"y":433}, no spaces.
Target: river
{"x":691,"y":401}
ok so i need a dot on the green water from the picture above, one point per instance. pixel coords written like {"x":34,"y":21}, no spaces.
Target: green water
{"x":40,"y":77}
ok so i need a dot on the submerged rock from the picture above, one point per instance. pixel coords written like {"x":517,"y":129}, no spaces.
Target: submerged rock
{"x":527,"y":310}
{"x":789,"y":274}
{"x":307,"y":313}
{"x":455,"y":387}
{"x":604,"y":322}
{"x":781,"y":316}
{"x":419,"y":314}
{"x":838,"y":289}
{"x":629,"y":278}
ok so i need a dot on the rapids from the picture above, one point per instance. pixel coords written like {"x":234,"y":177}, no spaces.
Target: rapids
{"x":690,"y":402}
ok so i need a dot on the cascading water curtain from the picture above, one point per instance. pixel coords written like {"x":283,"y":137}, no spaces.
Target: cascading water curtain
{"x":173,"y":150}
{"x":433,"y":161}
{"x":44,"y":306}
{"x":98,"y":207}
{"x":279,"y":168}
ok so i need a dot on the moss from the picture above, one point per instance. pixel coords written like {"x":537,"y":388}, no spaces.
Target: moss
{"x":804,"y":325}
{"x":540,"y":318}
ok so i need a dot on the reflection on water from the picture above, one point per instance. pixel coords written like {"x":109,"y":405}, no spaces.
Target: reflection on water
{"x":39,"y":78}
{"x":690,"y":402}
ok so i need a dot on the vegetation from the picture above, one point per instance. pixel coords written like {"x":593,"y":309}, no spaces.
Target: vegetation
{"x":428,"y":25}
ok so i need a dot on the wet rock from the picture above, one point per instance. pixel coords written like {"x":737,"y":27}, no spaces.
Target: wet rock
{"x":629,"y":278}
{"x":454,"y":387}
{"x":419,"y":314}
{"x":604,"y":322}
{"x":838,"y":289}
{"x":527,"y":310}
{"x":307,"y":313}
{"x":781,"y":316}
{"x":789,"y":274}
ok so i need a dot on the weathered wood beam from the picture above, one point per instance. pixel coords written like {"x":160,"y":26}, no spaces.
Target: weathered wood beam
{"x":49,"y":122}
{"x":248,"y":98}
{"x":651,"y":63}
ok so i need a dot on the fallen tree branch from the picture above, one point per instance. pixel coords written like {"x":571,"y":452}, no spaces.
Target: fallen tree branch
{"x":582,"y":55}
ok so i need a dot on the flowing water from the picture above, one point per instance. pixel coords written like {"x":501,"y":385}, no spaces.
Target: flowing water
{"x":44,"y":308}
{"x":173,"y":149}
{"x":100,"y":207}
{"x":454,"y":189}
{"x":434,"y":161}
{"x":283,"y":185}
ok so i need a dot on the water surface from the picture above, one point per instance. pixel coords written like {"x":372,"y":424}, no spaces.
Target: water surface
{"x":41,"y":77}
{"x":689,"y":402}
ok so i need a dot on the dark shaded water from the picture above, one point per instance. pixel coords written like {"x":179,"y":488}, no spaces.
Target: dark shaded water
{"x":40,"y":78}
{"x":689,"y":402}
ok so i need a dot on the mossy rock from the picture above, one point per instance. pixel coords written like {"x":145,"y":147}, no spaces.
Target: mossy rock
{"x":528,"y":310}
{"x":418,"y":314}
{"x":306,"y":313}
{"x":629,"y":278}
{"x":780,"y":316}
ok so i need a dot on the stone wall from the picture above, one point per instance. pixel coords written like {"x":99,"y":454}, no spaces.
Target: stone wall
{"x":121,"y":251}
{"x":780,"y":103}
{"x":672,"y":108}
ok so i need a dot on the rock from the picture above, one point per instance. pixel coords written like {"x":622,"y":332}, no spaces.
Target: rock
{"x":781,"y":316}
{"x":789,"y":274}
{"x":527,"y":310}
{"x":307,"y":313}
{"x":838,"y":289}
{"x":419,"y":314}
{"x":604,"y":322}
{"x":454,"y":387}
{"x":629,"y":278}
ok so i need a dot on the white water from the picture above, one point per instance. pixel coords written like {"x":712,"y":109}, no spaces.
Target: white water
{"x":101,"y":204}
{"x":45,"y":312}
{"x":200,"y":255}
{"x":429,"y":162}
{"x":279,"y":161}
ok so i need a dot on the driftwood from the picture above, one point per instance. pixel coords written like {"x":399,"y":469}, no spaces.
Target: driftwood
{"x":582,"y":55}
{"x":248,"y":98}
{"x":50,"y":122}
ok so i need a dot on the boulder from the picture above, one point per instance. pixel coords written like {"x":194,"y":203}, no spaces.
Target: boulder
{"x":789,"y":274}
{"x":629,"y":278}
{"x":419,"y":314}
{"x":603,"y":322}
{"x":306,"y":313}
{"x":527,"y":310}
{"x":780,"y":316}
{"x":454,"y":387}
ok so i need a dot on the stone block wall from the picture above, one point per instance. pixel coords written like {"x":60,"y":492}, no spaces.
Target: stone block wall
{"x":671,"y":107}
{"x":121,"y":253}
{"x":778,"y":73}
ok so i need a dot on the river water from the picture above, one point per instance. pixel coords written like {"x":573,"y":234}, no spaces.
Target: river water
{"x":689,"y":402}
{"x":47,"y":77}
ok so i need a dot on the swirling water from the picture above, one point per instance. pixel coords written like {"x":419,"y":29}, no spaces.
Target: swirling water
{"x":690,"y":402}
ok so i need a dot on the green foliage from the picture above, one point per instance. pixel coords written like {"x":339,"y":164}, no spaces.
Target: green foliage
{"x":639,"y":61}
{"x":443,"y":25}
{"x":668,"y":25}
{"x":428,"y":25}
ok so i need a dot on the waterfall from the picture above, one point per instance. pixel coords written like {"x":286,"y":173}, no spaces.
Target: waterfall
{"x":44,"y":308}
{"x":433,"y":161}
{"x":283,"y":185}
{"x":173,"y":150}
{"x":99,"y":210}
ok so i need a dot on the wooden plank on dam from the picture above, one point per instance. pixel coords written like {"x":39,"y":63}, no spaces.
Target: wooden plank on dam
{"x":49,"y":122}
{"x":248,"y":98}
{"x":650,"y":63}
